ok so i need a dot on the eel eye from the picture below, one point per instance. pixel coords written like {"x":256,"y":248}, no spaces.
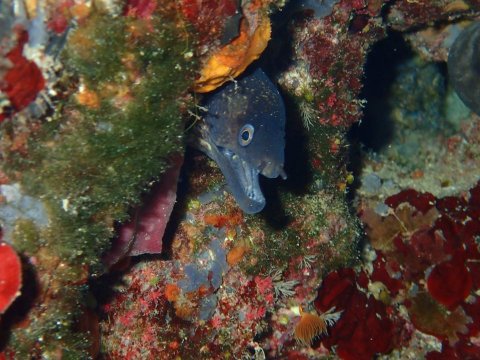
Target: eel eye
{"x":245,"y":135}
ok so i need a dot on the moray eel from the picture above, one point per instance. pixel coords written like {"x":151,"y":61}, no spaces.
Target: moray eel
{"x":243,"y":130}
{"x":464,"y":66}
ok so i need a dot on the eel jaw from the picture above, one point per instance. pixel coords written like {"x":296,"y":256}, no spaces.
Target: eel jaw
{"x":242,"y":178}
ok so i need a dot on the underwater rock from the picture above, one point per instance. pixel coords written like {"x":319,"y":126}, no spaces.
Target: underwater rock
{"x":229,"y":293}
{"x":19,"y":206}
{"x":464,"y":66}
{"x":244,"y":133}
{"x":321,"y":8}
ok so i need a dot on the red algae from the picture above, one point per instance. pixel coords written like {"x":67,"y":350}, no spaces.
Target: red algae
{"x":431,"y":318}
{"x":143,"y":234}
{"x":23,"y":79}
{"x":142,"y":9}
{"x":61,"y":16}
{"x":364,"y":328}
{"x":382,"y":273}
{"x":10,"y":276}
{"x":428,"y":244}
{"x":420,"y":201}
{"x":450,"y":282}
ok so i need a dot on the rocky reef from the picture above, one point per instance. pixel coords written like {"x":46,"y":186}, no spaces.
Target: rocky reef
{"x":120,"y":241}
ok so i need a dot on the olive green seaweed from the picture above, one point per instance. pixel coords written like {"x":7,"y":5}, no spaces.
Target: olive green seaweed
{"x":89,"y":164}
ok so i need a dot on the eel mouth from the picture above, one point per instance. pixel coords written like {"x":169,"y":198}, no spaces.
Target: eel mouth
{"x":241,"y":177}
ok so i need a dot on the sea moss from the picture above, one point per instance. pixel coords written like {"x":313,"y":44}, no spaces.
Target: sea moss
{"x":53,"y":333}
{"x":320,"y":225}
{"x":117,"y":122}
{"x":94,"y":161}
{"x":87,"y":48}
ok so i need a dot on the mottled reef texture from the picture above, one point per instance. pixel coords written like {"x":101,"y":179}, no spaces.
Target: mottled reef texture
{"x":370,"y":248}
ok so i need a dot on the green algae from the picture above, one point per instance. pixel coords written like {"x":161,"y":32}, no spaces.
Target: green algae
{"x":52,"y":333}
{"x":320,"y":225}
{"x":89,"y":57}
{"x":93,"y":160}
{"x":93,"y":163}
{"x":25,"y":236}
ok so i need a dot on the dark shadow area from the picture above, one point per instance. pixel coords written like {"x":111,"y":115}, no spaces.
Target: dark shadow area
{"x":102,"y":288}
{"x":376,"y":129}
{"x":297,"y":168}
{"x":276,"y":59}
{"x":297,"y":162}
{"x":180,"y":207}
{"x":278,"y":55}
{"x":274,"y":212}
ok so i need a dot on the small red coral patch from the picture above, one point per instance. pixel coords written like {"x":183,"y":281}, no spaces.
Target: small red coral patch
{"x":10,"y":276}
{"x":23,"y":80}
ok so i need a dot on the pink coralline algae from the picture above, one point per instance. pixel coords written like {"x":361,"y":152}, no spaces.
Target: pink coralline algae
{"x":208,"y":17}
{"x":165,"y":298}
{"x":140,"y":8}
{"x":333,"y":54}
{"x":61,"y":16}
{"x":428,"y":260}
